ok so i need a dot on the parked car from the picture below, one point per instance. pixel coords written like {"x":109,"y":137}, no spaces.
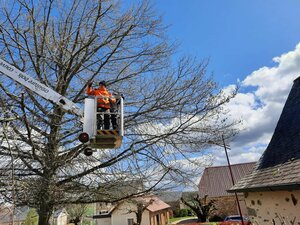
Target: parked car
{"x":236,"y":219}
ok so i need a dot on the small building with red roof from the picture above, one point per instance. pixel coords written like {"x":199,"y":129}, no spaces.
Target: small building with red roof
{"x":154,"y":212}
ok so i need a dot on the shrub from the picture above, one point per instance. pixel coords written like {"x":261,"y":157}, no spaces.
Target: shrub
{"x":181,"y":212}
{"x":190,"y":212}
{"x":216,"y":218}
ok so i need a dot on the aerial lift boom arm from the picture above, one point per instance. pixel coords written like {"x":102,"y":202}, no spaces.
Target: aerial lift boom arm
{"x":91,"y":135}
{"x":39,"y":88}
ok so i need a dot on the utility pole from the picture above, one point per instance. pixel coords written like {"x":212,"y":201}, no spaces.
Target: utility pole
{"x":5,"y":121}
{"x":232,"y":179}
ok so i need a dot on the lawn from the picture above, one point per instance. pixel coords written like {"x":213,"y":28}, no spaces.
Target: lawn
{"x":180,"y":218}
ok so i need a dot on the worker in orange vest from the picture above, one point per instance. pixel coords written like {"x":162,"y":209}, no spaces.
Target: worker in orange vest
{"x":104,"y":102}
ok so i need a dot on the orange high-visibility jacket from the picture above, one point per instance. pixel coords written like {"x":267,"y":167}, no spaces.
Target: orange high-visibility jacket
{"x":105,"y":97}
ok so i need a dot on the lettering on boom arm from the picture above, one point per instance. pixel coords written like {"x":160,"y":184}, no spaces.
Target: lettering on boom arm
{"x":37,"y":86}
{"x":27,"y":79}
{"x":6,"y":66}
{"x":31,"y":82}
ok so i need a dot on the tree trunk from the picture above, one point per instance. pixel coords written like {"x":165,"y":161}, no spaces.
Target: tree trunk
{"x":44,"y":202}
{"x":201,"y":217}
{"x":76,"y":221}
{"x":139,"y":218}
{"x":44,"y":214}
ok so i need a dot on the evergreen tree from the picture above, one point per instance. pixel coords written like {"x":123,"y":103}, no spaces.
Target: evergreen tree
{"x":31,"y":218}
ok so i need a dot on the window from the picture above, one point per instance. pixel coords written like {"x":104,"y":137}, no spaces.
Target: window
{"x":130,"y":221}
{"x":158,"y":222}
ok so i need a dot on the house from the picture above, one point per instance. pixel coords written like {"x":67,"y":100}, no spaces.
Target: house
{"x":215,"y":182}
{"x":59,"y":217}
{"x":272,"y":190}
{"x":156,"y":212}
{"x":6,"y":217}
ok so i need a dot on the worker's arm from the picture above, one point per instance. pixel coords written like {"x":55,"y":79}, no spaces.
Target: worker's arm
{"x":90,"y":90}
{"x":112,"y":99}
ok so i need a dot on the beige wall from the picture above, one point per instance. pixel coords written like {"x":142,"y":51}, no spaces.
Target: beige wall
{"x":163,"y":217}
{"x":103,"y":221}
{"x":120,"y":215}
{"x":274,"y":207}
{"x":62,"y":219}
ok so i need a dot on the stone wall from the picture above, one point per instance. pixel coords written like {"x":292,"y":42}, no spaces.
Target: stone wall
{"x":226,"y":205}
{"x":274,"y":207}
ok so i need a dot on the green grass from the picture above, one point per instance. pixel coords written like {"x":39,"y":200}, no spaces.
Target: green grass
{"x":180,"y":218}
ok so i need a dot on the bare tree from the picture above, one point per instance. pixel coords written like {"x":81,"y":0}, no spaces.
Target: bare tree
{"x":173,"y":110}
{"x":76,"y":212}
{"x":141,"y":205}
{"x":202,"y":207}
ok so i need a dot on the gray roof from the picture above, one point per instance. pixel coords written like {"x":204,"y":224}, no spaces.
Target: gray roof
{"x":215,"y":181}
{"x":189,"y":194}
{"x":58,"y":212}
{"x":171,"y":196}
{"x":279,"y":166}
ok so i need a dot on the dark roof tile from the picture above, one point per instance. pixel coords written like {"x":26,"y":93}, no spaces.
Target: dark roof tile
{"x":280,"y":177}
{"x":279,"y":166}
{"x":170,"y":196}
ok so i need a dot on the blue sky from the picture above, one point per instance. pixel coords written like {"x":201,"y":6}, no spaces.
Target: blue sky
{"x":237,"y":35}
{"x":255,"y":42}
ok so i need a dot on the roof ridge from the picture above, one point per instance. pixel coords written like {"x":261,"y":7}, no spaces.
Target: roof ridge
{"x":297,"y":79}
{"x":231,"y":165}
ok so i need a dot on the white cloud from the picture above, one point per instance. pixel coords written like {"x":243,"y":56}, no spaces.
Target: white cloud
{"x":260,"y":108}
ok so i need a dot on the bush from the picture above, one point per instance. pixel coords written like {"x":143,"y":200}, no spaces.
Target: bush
{"x":184,"y":212}
{"x":175,"y":213}
{"x":181,"y":212}
{"x":216,"y":218}
{"x":190,"y":212}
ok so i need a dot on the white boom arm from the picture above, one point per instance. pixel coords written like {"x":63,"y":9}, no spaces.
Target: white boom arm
{"x":39,"y":88}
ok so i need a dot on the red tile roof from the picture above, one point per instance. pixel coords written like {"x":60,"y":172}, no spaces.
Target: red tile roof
{"x":215,"y":181}
{"x":156,"y":205}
